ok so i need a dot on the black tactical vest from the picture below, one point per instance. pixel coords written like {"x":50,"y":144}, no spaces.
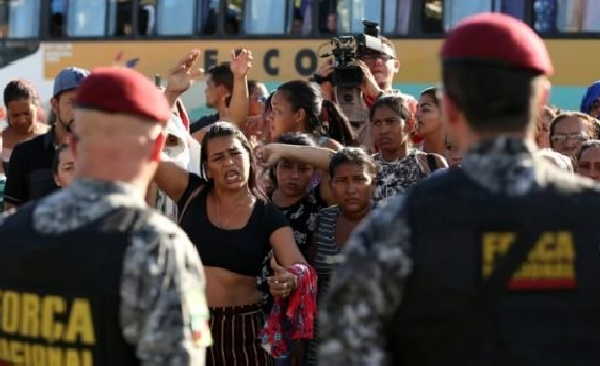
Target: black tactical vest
{"x":59,"y":294}
{"x":546,"y":312}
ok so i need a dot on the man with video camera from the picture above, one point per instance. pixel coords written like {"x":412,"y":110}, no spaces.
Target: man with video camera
{"x":362,"y":65}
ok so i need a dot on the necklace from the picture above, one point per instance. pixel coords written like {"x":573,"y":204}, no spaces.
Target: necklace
{"x":225,"y":223}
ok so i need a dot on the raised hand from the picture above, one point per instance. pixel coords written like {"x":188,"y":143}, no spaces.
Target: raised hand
{"x":241,"y":62}
{"x":183,"y":74}
{"x":282,"y":283}
{"x":267,"y":155}
{"x":369,"y":85}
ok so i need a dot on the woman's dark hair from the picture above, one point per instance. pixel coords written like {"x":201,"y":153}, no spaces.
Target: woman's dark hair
{"x":305,"y":95}
{"x":19,"y":90}
{"x":56,"y":159}
{"x":587,"y":145}
{"x":338,"y":125}
{"x":433,"y":93}
{"x":396,"y":103}
{"x":226,"y":129}
{"x":290,"y":138}
{"x":352,"y":155}
{"x":592,"y":124}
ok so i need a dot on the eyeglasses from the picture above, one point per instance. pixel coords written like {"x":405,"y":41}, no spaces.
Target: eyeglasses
{"x":562,"y":137}
{"x":374,"y":56}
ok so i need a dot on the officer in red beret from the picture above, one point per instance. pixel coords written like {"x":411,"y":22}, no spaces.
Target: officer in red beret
{"x":90,"y":275}
{"x":496,"y":263}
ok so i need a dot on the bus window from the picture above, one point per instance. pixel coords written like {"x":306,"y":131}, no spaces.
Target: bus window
{"x":233,"y":16}
{"x":208,"y":13}
{"x":23,"y":18}
{"x":175,"y":17}
{"x":86,"y":18}
{"x":146,"y":17}
{"x":573,"y":16}
{"x":352,"y":12}
{"x":397,"y":15}
{"x":432,"y":16}
{"x":328,"y":16}
{"x":120,"y":19}
{"x":456,"y":10}
{"x":267,"y":16}
{"x":57,"y":17}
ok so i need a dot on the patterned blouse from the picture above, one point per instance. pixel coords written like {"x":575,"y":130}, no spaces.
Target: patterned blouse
{"x":396,"y":176}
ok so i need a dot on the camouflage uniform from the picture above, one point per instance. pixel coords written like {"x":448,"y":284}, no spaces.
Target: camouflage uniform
{"x":367,"y":288}
{"x":163,"y":309}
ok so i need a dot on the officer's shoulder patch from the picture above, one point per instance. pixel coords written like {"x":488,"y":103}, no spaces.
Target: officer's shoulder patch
{"x":550,"y":265}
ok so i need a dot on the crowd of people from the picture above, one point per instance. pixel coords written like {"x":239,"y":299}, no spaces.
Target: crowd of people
{"x":280,"y":207}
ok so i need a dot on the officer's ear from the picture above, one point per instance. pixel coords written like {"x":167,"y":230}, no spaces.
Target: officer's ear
{"x":542,"y":91}
{"x":451,"y":114}
{"x":157,"y":148}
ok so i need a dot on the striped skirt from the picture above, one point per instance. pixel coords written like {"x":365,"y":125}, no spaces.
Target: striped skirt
{"x":235,"y":337}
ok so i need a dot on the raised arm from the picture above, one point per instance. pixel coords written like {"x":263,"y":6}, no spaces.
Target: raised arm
{"x":171,"y":179}
{"x":241,"y":63}
{"x":181,"y":77}
{"x":317,"y":156}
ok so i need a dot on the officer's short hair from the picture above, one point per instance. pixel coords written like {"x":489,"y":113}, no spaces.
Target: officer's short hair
{"x":491,"y":97}
{"x":352,"y":155}
{"x":592,"y":124}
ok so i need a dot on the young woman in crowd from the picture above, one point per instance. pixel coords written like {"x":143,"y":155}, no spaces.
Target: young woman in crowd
{"x":569,"y":130}
{"x":429,"y":122}
{"x":588,"y":160}
{"x":293,"y":193}
{"x":63,"y":166}
{"x":234,"y":227}
{"x":22,"y":105}
{"x":352,"y":183}
{"x":297,"y":107}
{"x":399,"y":165}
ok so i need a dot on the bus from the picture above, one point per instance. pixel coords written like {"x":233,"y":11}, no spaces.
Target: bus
{"x":41,"y":37}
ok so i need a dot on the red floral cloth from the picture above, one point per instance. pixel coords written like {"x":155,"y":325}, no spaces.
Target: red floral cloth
{"x":298,"y":320}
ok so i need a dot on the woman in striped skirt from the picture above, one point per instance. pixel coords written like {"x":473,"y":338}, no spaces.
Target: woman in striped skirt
{"x":353,"y":175}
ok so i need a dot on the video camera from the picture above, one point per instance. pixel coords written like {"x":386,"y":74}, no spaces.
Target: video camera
{"x":347,"y":76}
{"x":346,"y":49}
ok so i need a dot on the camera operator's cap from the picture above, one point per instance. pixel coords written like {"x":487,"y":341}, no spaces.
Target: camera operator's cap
{"x":68,"y":79}
{"x":124,"y":91}
{"x":498,"y":39}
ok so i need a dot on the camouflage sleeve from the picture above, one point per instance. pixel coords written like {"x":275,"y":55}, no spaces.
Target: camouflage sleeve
{"x":365,"y":290}
{"x":163,"y":305}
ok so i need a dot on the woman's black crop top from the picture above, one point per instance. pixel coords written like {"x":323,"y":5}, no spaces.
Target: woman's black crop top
{"x":240,"y":250}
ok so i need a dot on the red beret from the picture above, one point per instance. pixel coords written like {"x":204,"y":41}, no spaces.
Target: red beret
{"x":498,"y":38}
{"x":121,"y":90}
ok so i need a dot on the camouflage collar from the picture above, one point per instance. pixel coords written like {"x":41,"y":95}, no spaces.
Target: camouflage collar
{"x":502,"y":164}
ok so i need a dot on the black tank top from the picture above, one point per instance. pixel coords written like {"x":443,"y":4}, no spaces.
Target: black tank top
{"x":239,"y":250}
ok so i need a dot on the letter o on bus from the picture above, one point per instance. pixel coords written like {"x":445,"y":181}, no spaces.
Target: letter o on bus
{"x":301,"y":67}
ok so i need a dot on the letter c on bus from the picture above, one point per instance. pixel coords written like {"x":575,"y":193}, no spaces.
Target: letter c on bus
{"x":269,"y":68}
